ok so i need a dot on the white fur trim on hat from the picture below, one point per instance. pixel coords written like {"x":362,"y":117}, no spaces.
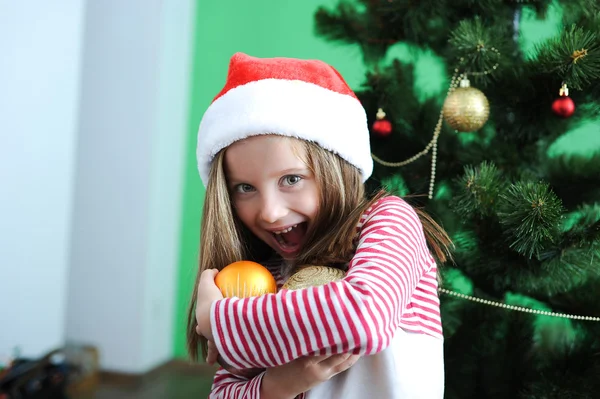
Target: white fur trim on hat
{"x":294,"y":108}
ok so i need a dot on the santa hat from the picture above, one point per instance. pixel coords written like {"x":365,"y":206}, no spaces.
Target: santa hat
{"x":306,"y":99}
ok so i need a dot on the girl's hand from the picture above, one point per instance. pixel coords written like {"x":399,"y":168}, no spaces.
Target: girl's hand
{"x":208,"y":292}
{"x":300,"y":375}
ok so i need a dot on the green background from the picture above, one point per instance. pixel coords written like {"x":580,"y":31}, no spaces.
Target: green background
{"x":269,"y":28}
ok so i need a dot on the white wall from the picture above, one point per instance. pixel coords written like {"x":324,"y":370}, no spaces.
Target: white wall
{"x":93,"y":116}
{"x":40,"y":61}
{"x":134,"y":103}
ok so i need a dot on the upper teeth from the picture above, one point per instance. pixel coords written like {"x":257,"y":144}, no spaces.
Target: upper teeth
{"x":285,"y":230}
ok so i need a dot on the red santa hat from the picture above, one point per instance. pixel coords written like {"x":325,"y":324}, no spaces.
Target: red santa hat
{"x":306,"y":99}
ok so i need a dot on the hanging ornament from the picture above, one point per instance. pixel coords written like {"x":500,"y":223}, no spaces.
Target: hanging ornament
{"x":466,"y":108}
{"x":382,"y":127}
{"x":564,"y":105}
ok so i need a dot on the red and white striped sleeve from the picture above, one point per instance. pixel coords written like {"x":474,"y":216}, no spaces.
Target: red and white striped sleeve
{"x":231,"y":386}
{"x":358,"y":314}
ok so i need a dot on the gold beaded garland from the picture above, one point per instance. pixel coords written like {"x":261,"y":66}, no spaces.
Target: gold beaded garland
{"x":518,"y":308}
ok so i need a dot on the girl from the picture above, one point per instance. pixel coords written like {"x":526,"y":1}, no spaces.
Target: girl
{"x":284,"y":151}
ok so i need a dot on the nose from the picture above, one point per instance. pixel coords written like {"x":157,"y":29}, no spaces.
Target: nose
{"x":273,"y":208}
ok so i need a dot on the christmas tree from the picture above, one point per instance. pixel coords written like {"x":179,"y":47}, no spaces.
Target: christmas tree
{"x":521,"y":298}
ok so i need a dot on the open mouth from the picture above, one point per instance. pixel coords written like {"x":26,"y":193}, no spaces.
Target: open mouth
{"x":290,"y":240}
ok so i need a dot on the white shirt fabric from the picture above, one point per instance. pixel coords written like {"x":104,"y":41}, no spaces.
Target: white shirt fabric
{"x":412,"y":367}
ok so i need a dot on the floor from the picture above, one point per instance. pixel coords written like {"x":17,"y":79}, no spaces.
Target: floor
{"x":175,"y":380}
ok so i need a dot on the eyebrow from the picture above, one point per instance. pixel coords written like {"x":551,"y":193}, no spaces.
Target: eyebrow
{"x":233,"y":180}
{"x":293,"y":170}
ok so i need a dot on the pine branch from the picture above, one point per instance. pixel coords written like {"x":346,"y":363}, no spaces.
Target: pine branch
{"x":396,"y":185}
{"x":474,"y":44}
{"x":590,"y":19}
{"x":521,"y":105}
{"x":575,"y":178}
{"x":571,"y":166}
{"x":583,"y":300}
{"x":561,"y":268}
{"x":453,"y":279}
{"x":465,"y":243}
{"x":567,"y":268}
{"x":530,"y":213}
{"x":394,"y":87}
{"x":341,"y":25}
{"x":573,"y":57}
{"x":567,"y":371}
{"x":411,"y":21}
{"x":391,"y":89}
{"x":582,"y":229}
{"x":588,"y":106}
{"x":581,"y":12}
{"x":478,"y":191}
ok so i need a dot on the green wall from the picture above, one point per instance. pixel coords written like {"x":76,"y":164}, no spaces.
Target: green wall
{"x":268,"y":28}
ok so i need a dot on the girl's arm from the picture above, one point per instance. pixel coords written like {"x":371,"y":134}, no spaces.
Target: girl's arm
{"x":230,"y":386}
{"x":358,"y":314}
{"x":289,"y":381}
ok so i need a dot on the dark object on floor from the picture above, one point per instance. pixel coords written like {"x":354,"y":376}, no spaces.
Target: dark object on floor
{"x":44,"y":378}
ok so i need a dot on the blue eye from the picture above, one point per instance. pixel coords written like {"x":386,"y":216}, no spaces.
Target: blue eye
{"x":291,"y":180}
{"x":244,"y":188}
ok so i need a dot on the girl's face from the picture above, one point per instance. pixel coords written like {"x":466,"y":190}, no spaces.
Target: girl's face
{"x":273,"y":191}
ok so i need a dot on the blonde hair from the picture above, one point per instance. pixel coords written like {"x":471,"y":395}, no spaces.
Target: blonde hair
{"x":330,"y":239}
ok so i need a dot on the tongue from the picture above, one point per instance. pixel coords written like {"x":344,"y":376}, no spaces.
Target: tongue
{"x":295,"y":236}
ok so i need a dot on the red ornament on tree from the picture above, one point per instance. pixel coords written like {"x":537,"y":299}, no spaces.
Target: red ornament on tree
{"x":564,"y":105}
{"x":382,"y":127}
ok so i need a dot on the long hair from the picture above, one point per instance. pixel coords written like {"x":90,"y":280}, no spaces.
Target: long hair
{"x":220,"y":242}
{"x":330,"y":239}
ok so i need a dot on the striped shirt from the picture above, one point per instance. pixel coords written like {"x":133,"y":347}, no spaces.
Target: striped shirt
{"x":391,"y":283}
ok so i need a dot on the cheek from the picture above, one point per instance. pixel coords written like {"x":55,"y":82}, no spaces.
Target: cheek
{"x":310,"y":202}
{"x":243,"y":211}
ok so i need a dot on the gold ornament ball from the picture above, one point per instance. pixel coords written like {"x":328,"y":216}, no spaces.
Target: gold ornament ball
{"x":466,"y":108}
{"x":311,"y":276}
{"x":244,"y":279}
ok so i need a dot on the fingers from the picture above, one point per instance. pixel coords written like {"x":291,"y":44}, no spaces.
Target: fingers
{"x":314,"y":359}
{"x":336,"y":364}
{"x":334,"y":360}
{"x":345,"y":365}
{"x":309,"y":371}
{"x":209,"y":274}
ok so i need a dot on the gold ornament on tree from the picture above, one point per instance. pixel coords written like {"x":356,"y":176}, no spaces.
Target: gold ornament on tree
{"x":466,"y":108}
{"x":469,"y":118}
